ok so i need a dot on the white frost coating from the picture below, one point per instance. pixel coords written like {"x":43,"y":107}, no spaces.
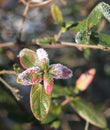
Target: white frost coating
{"x":60,"y":71}
{"x":105,"y":10}
{"x":42,"y":54}
{"x":23,"y":77}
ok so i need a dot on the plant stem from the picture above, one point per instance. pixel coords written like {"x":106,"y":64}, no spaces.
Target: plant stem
{"x":24,"y":18}
{"x":86,"y":125}
{"x":58,"y":35}
{"x":84,"y":46}
{"x":61,"y":44}
{"x":33,"y":5}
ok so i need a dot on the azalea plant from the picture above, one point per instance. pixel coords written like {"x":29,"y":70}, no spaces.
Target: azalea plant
{"x":40,"y":75}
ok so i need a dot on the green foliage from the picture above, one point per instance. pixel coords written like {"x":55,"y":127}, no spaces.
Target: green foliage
{"x":41,"y":79}
{"x":88,"y":113}
{"x":85,"y":29}
{"x":40,"y":76}
{"x":101,"y":39}
{"x":39,"y":101}
{"x":94,"y":18}
{"x":57,"y":15}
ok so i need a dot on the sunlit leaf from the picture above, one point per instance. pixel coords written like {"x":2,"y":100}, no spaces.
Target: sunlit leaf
{"x":39,"y":101}
{"x":88,"y":113}
{"x":28,"y":58}
{"x":57,"y":15}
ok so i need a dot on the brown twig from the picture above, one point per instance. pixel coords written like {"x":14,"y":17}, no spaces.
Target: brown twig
{"x":66,"y":101}
{"x":6,"y":44}
{"x":61,"y":44}
{"x":7,"y":72}
{"x":24,"y":17}
{"x":12,"y":89}
{"x":57,"y":37}
{"x":79,"y":46}
{"x":84,"y":46}
{"x":86,"y":126}
{"x":33,"y":5}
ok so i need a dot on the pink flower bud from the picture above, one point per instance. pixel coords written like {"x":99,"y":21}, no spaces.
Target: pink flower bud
{"x":85,"y":79}
{"x":48,"y":83}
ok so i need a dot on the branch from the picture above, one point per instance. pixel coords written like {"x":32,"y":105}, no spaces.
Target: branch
{"x":7,"y":72}
{"x":84,"y":46}
{"x":6,"y":44}
{"x":33,"y":5}
{"x":87,"y":125}
{"x":24,"y":18}
{"x":61,"y":44}
{"x":13,"y":90}
{"x":79,"y":46}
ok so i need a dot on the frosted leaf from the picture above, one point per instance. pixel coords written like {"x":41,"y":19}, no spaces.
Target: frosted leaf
{"x":105,"y":10}
{"x":43,"y":58}
{"x":42,"y":54}
{"x":60,"y":71}
{"x":30,"y":76}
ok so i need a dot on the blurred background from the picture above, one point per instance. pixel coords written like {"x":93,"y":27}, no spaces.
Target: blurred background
{"x":15,"y":113}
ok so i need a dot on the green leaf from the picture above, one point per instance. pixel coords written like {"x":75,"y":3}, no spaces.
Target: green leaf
{"x":57,"y":15}
{"x":101,"y":39}
{"x":88,"y":113}
{"x":104,"y":40}
{"x":94,"y":17}
{"x":28,"y":58}
{"x":82,"y":25}
{"x":39,"y":101}
{"x":54,"y":112}
{"x":46,"y":40}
